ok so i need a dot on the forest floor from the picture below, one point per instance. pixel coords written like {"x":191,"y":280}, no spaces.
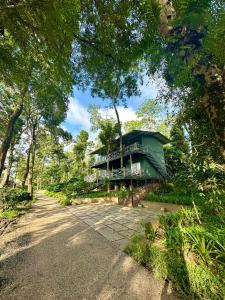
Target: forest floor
{"x":52,"y":254}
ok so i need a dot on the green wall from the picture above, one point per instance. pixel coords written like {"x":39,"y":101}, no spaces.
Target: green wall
{"x":156,"y":149}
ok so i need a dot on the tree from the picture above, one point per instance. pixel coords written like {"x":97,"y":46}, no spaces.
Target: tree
{"x":95,"y":117}
{"x":133,"y":125}
{"x":182,"y":41}
{"x":80,"y":148}
{"x":150,"y":116}
{"x":30,"y":57}
{"x":108,"y":132}
{"x":176,"y":153}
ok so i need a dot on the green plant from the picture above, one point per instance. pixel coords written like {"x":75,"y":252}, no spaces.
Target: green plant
{"x":65,"y":202}
{"x":166,"y":187}
{"x":8,"y":214}
{"x":10,"y":198}
{"x":139,"y":248}
{"x":206,"y":245}
{"x":169,"y":197}
{"x":149,"y":231}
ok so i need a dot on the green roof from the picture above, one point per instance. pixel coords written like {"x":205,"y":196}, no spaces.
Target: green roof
{"x":136,"y":133}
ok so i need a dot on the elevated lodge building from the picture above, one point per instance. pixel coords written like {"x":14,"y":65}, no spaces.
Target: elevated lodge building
{"x":143,"y":159}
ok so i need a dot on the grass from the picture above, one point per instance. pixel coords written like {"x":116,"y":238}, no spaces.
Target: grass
{"x":62,"y":199}
{"x":171,"y":197}
{"x":189,"y":254}
{"x":21,"y":209}
{"x":94,"y":194}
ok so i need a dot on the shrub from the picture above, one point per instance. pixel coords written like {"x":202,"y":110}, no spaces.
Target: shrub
{"x":55,"y":187}
{"x":10,"y":197}
{"x":189,"y":254}
{"x":171,"y":197}
{"x":139,"y":249}
{"x":65,"y":202}
{"x":166,"y":187}
{"x":71,"y":188}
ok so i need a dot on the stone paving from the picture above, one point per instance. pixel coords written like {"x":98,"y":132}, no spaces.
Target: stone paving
{"x":116,"y":223}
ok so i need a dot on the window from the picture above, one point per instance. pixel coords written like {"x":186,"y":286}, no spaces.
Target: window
{"x":136,"y":168}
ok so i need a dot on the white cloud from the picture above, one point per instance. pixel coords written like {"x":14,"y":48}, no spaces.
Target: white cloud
{"x":78,"y":115}
{"x":125,"y":114}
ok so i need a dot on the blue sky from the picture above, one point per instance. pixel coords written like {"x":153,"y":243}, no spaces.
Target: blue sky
{"x":78,"y":117}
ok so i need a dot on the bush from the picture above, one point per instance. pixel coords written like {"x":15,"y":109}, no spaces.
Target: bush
{"x":189,"y":254}
{"x":166,"y":187}
{"x":71,"y":188}
{"x":65,"y":202}
{"x":10,"y":197}
{"x":55,"y":187}
{"x":171,"y":197}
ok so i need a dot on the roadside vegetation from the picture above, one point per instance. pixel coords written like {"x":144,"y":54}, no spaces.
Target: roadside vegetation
{"x":76,"y":189}
{"x":14,"y":202}
{"x":187,"y":247}
{"x":186,"y":252}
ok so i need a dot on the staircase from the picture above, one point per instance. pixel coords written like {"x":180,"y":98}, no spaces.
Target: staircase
{"x":157,"y":165}
{"x":94,"y":185}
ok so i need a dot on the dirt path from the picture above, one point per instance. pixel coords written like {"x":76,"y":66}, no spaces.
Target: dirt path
{"x":51,"y":254}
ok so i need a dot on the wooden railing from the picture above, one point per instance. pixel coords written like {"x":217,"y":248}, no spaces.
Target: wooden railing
{"x":118,"y":174}
{"x":116,"y":154}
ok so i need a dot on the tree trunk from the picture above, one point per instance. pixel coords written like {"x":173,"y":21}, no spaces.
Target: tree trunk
{"x":213,"y":101}
{"x":32,"y":154}
{"x":5,"y":180}
{"x":16,"y":172}
{"x":120,"y":134}
{"x":31,"y":171}
{"x":185,"y":43}
{"x":9,"y":134}
{"x":27,"y":165}
{"x":108,"y":188}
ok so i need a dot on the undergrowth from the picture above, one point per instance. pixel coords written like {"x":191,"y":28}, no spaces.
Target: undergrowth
{"x":189,"y":254}
{"x":14,"y":202}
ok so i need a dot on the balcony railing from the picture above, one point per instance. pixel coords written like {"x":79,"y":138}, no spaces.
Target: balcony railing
{"x":116,"y":154}
{"x":136,"y":147}
{"x":118,"y":174}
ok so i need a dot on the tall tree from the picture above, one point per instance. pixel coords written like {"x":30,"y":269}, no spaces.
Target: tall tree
{"x":183,"y":41}
{"x":150,"y":116}
{"x":30,"y":56}
{"x":108,"y":132}
{"x":80,"y":148}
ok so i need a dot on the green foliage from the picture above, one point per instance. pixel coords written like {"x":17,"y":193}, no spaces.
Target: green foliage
{"x":169,"y":194}
{"x":71,"y":188}
{"x":149,"y":231}
{"x":188,"y":254}
{"x":139,"y":249}
{"x":8,"y":214}
{"x":65,"y":202}
{"x":80,"y":149}
{"x":55,"y":187}
{"x":10,"y":198}
{"x":149,"y":117}
{"x":109,"y":130}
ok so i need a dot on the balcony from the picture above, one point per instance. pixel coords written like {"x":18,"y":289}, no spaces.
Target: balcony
{"x":116,"y":154}
{"x":125,"y":173}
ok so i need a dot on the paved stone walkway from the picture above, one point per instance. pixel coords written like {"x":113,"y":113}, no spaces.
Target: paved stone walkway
{"x":116,"y":223}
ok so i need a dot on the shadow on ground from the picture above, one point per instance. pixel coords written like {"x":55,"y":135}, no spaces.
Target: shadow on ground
{"x":54,"y":255}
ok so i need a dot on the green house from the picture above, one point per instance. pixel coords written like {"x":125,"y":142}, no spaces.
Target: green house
{"x":143,"y":158}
